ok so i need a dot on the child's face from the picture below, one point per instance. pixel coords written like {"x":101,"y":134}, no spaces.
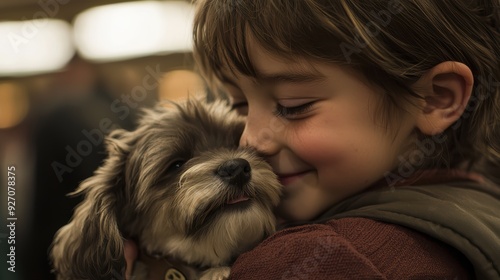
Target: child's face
{"x":315,"y":124}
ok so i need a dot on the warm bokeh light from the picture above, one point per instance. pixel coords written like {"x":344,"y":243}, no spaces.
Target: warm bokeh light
{"x":14,"y":105}
{"x":134,"y":29}
{"x":180,"y":84}
{"x":34,"y":46}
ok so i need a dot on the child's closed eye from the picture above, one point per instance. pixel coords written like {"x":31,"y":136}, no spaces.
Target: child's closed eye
{"x":293,"y":112}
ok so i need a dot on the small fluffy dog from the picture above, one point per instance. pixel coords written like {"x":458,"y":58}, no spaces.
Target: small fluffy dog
{"x":178,"y":185}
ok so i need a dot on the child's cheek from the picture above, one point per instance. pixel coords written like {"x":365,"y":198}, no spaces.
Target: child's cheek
{"x":354,"y":160}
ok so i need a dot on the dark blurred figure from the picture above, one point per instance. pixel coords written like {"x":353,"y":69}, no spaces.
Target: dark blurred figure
{"x":68,"y":142}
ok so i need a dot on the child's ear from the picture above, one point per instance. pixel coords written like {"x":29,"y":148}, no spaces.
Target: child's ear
{"x":446,"y":89}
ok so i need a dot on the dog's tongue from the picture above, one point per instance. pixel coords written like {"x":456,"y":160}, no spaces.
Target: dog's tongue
{"x":238,"y":199}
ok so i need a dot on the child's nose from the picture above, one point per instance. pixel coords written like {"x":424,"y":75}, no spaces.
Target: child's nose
{"x":260,"y":137}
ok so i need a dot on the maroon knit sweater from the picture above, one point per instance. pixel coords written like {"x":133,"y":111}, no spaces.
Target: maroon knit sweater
{"x":357,"y":248}
{"x":350,"y":248}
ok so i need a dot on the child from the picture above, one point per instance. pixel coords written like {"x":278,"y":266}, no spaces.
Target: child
{"x":382,"y":121}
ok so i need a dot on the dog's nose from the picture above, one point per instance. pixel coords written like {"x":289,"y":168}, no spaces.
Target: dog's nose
{"x":235,"y":171}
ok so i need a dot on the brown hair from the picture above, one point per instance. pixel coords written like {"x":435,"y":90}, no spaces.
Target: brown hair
{"x":392,"y":43}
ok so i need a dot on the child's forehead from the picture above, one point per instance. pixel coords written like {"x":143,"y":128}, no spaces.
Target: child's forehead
{"x":271,"y":65}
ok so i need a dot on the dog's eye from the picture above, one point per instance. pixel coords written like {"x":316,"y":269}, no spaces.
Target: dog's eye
{"x":175,"y":165}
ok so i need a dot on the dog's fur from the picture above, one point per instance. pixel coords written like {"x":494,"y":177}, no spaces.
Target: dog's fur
{"x":162,"y":185}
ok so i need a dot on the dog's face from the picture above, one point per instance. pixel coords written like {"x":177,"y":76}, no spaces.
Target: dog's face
{"x":195,"y":193}
{"x":180,"y":185}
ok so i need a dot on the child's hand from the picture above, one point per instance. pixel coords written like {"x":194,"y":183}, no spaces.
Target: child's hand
{"x":130,"y":256}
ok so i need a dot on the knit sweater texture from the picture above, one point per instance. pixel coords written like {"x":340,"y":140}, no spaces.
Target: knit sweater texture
{"x":442,"y":225}
{"x":350,"y":248}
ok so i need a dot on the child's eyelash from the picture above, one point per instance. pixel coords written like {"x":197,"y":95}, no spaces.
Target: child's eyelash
{"x":287,"y":112}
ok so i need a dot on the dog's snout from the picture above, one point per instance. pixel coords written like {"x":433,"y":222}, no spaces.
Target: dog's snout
{"x":235,"y":171}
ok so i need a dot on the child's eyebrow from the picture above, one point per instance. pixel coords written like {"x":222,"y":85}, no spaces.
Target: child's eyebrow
{"x":289,"y":77}
{"x":280,"y":77}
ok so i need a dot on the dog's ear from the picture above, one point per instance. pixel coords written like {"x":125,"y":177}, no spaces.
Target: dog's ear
{"x":91,"y":245}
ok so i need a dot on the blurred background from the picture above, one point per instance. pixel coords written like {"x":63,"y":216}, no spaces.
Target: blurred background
{"x":71,"y":71}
